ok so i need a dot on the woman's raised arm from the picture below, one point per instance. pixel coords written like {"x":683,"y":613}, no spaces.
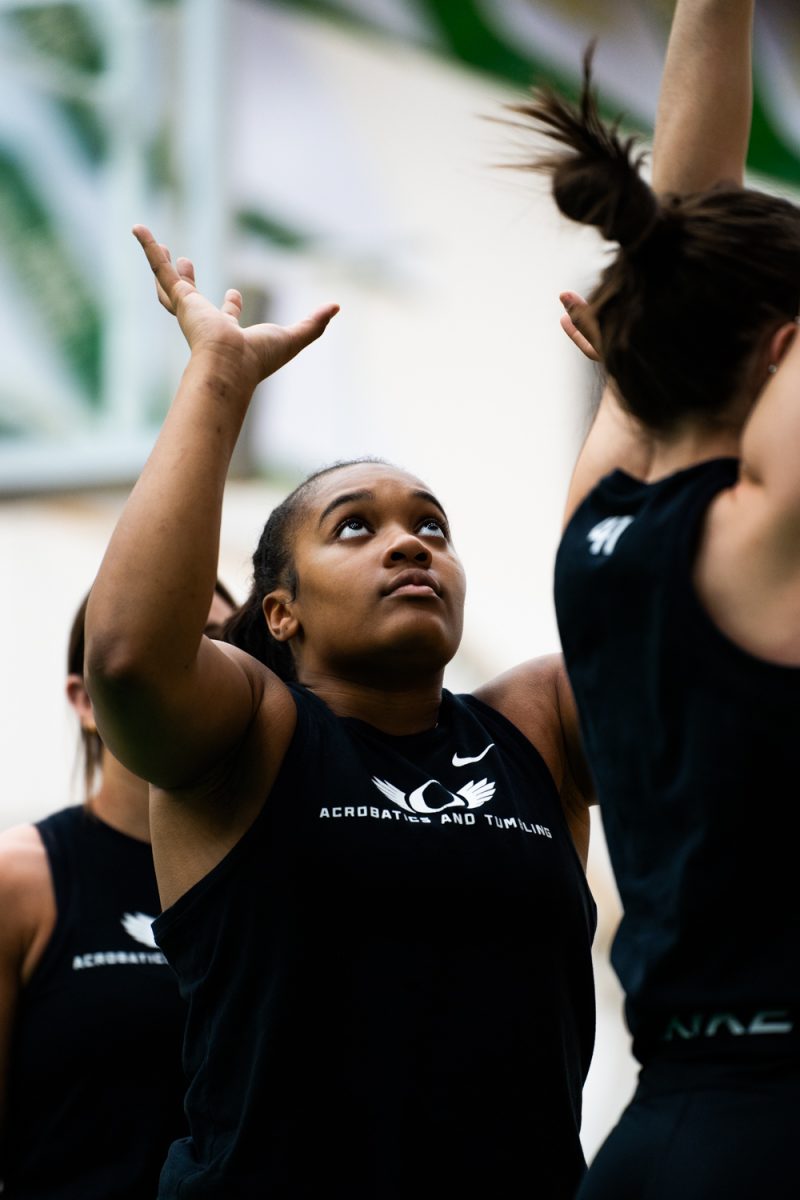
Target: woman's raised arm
{"x":706,"y":98}
{"x":748,"y":567}
{"x":701,"y":137}
{"x":170,"y":703}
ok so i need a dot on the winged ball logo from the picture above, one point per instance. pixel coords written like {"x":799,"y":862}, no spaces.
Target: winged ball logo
{"x":139,"y":926}
{"x":471,"y":795}
{"x":433,"y":797}
{"x":433,"y":803}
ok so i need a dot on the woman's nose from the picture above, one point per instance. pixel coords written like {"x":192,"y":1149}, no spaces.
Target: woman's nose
{"x":407,"y":546}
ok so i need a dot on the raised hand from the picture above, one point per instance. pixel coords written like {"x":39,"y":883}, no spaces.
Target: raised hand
{"x":252,"y":353}
{"x":579,"y":325}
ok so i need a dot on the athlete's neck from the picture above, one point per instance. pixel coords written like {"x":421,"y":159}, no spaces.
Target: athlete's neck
{"x":692,"y":445}
{"x":398,"y":711}
{"x":122,"y":800}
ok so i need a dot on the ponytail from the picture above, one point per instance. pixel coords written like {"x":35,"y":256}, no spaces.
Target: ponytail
{"x":91,"y":744}
{"x":699,"y":281}
{"x":596,"y":179}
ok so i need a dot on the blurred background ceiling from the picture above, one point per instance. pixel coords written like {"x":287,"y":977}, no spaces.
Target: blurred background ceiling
{"x":229,"y":122}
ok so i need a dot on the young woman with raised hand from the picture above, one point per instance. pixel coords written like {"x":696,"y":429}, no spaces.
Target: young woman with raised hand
{"x":375,"y":907}
{"x":678,"y":599}
{"x":91,"y":1022}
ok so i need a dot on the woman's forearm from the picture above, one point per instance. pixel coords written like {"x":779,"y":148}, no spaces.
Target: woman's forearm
{"x":166,"y":700}
{"x":705,"y":103}
{"x":149,"y":603}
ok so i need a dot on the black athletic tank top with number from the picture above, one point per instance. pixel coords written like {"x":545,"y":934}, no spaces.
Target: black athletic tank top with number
{"x":389,"y":977}
{"x":695,"y":751}
{"x":95,"y":1092}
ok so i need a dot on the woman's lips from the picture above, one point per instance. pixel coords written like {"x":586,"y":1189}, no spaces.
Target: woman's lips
{"x":413,"y":583}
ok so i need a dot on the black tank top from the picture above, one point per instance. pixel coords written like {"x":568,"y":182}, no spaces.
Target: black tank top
{"x":389,"y":976}
{"x":95,"y":1091}
{"x":695,"y":751}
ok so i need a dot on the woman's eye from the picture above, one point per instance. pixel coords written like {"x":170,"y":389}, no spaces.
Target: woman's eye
{"x":432,"y":528}
{"x":353,"y":527}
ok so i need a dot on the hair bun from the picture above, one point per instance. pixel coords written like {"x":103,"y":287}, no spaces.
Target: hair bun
{"x":596,"y":176}
{"x":610,"y":194}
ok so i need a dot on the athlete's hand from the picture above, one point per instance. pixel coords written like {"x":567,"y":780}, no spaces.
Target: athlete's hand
{"x":251,"y":353}
{"x":579,"y":325}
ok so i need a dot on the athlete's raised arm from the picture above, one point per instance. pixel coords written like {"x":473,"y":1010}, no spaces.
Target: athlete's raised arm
{"x":700,"y":140}
{"x":748,"y":564}
{"x":170,"y":703}
{"x":616,"y":439}
{"x":706,"y":97}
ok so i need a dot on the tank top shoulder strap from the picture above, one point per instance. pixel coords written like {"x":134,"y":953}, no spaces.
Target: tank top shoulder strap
{"x":60,"y":833}
{"x":494,"y":720}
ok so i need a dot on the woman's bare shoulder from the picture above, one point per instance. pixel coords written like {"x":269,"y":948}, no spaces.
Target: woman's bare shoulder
{"x":27,"y":899}
{"x":528,"y":696}
{"x":536,"y":697}
{"x":23,"y":859}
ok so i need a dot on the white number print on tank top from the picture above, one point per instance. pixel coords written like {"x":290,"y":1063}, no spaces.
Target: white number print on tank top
{"x":603,"y":538}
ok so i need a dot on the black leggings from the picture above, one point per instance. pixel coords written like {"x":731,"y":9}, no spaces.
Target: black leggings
{"x":704,"y":1131}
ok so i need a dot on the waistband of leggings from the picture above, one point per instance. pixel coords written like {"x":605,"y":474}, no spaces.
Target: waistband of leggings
{"x":768,"y":1031}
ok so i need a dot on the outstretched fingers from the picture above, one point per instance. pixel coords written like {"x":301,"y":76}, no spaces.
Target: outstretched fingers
{"x":579,"y":325}
{"x":172,"y":281}
{"x":232,"y":304}
{"x":185,"y":268}
{"x":262,"y":348}
{"x":294,"y":338}
{"x":313,"y":326}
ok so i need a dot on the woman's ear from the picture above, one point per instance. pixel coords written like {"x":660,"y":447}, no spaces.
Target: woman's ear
{"x":281,"y":621}
{"x":779,"y":343}
{"x":79,"y":699}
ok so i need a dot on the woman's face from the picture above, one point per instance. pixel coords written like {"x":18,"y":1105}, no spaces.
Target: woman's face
{"x":380,"y":589}
{"x":217,"y":615}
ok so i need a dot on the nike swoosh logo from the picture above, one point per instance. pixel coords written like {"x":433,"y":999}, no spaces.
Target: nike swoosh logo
{"x":463,"y":762}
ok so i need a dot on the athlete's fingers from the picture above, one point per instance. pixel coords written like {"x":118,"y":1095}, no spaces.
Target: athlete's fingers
{"x":170,"y":285}
{"x":302,"y":333}
{"x":289,"y":340}
{"x":186,"y":269}
{"x":232,"y":303}
{"x":578,"y":339}
{"x":579,"y":325}
{"x":163,"y":298}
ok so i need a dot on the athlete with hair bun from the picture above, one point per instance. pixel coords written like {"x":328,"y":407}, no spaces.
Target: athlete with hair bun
{"x":678,"y":600}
